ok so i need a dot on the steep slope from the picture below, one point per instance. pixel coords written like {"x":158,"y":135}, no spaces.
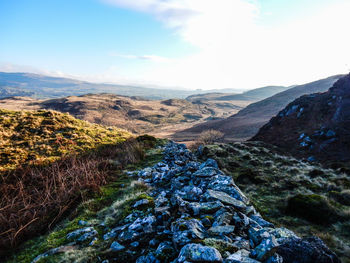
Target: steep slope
{"x":137,"y":115}
{"x":316,"y":126}
{"x":247,"y":122}
{"x":250,"y":95}
{"x":256,"y":94}
{"x":186,"y":211}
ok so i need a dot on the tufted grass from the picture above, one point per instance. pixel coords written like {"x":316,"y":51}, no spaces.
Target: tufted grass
{"x":273,"y":182}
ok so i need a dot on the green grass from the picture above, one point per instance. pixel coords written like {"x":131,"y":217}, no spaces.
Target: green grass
{"x":39,"y":137}
{"x":270,"y":179}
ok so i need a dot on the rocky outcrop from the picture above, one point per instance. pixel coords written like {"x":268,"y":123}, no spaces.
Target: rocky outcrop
{"x":195,"y":213}
{"x":315,"y":127}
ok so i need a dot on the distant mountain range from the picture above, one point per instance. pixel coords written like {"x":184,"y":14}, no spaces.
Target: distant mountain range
{"x":246,"y":123}
{"x":43,"y":87}
{"x":40,"y":87}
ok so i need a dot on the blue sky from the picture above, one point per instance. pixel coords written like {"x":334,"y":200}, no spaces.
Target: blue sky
{"x":179,"y":43}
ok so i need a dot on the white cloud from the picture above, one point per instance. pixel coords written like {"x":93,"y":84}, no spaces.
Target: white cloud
{"x":10,"y":67}
{"x":154,"y":58}
{"x":237,"y":51}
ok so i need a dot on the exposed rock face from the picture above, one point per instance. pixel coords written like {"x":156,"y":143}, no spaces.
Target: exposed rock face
{"x":191,"y":222}
{"x":316,"y":126}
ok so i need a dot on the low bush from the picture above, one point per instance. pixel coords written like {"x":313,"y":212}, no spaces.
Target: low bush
{"x":210,"y":136}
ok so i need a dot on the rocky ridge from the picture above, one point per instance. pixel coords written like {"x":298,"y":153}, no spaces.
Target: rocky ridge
{"x":315,"y":126}
{"x":193,"y":213}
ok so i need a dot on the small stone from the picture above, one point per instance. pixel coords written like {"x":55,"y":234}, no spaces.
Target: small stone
{"x":115,"y":246}
{"x":141,"y":203}
{"x":209,"y":163}
{"x":80,"y":232}
{"x":241,"y":256}
{"x":265,"y":249}
{"x":149,"y":258}
{"x":261,"y":221}
{"x":256,"y":235}
{"x":221,"y":230}
{"x":207,"y":172}
{"x":82,"y":223}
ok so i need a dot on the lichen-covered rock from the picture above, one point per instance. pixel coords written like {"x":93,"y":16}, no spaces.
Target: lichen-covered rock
{"x":221,"y":245}
{"x":224,"y":198}
{"x":199,"y":253}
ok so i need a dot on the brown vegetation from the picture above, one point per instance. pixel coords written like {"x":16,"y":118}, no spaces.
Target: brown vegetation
{"x":33,"y":198}
{"x":210,"y":136}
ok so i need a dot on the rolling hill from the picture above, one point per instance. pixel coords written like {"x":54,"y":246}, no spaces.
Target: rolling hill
{"x":31,"y":137}
{"x":247,"y":122}
{"x":138,"y":115}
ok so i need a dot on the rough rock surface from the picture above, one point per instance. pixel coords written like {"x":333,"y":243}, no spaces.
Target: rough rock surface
{"x":191,"y":222}
{"x":315,"y":127}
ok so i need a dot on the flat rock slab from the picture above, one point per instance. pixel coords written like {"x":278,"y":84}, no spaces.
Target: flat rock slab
{"x":225,"y":198}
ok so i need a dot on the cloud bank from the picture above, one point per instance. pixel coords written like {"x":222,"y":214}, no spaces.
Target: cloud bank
{"x":237,"y":50}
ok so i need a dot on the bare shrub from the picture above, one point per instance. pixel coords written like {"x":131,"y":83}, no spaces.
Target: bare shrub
{"x":210,"y":136}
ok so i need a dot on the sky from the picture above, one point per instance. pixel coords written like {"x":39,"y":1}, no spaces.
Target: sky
{"x":190,"y":44}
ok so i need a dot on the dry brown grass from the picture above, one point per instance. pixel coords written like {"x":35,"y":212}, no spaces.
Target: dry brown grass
{"x":33,"y":199}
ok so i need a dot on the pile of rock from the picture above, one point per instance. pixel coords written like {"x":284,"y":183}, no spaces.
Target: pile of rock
{"x":198,"y":214}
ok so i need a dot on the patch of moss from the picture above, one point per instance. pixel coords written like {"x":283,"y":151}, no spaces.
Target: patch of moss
{"x":315,"y":208}
{"x":221,"y":245}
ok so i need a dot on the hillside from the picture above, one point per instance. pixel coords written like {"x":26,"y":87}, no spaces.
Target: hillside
{"x":247,"y":122}
{"x":304,"y":197}
{"x":41,"y":87}
{"x":37,"y":137}
{"x":176,"y":210}
{"x":315,"y":127}
{"x":138,"y":115}
{"x":247,"y":96}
